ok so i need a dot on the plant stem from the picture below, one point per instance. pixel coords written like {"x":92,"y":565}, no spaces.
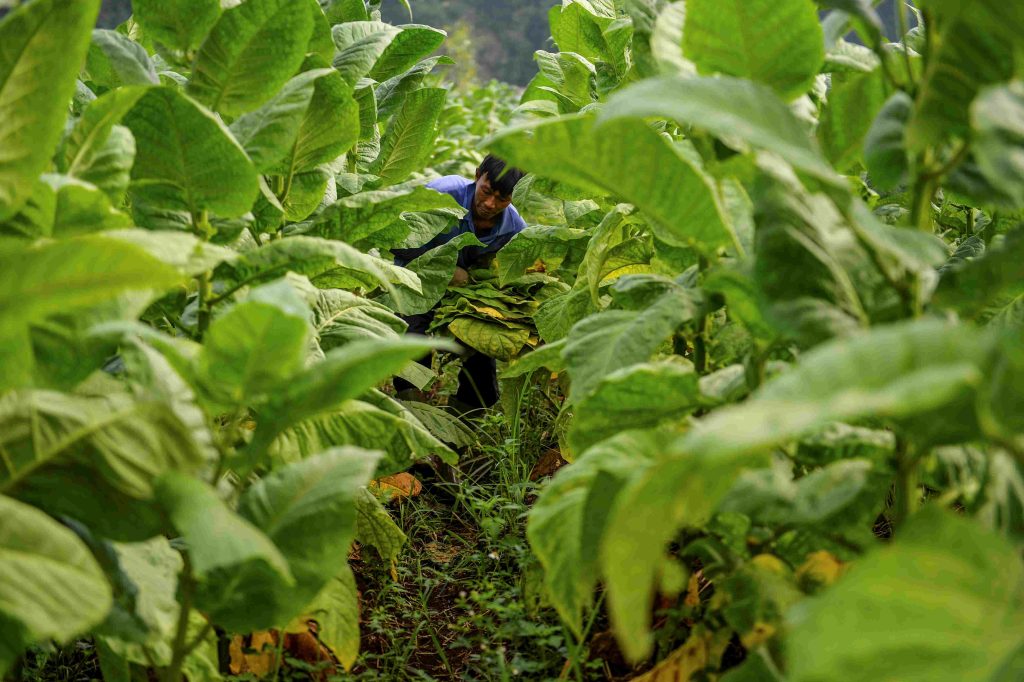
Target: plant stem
{"x":700,"y":347}
{"x":205,"y":302}
{"x":180,"y":650}
{"x":901,"y":8}
{"x":921,"y":211}
{"x":908,"y":495}
{"x":574,"y":659}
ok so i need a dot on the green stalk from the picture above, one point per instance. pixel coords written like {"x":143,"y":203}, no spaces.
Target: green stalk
{"x":205,"y":296}
{"x":700,"y":347}
{"x":908,"y":493}
{"x":901,"y":8}
{"x":180,"y":649}
{"x":923,"y":192}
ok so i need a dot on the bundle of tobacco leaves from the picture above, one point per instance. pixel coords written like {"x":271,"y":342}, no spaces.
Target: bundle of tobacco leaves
{"x":495,"y":320}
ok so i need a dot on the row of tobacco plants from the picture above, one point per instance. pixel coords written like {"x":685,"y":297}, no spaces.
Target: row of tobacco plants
{"x":776,"y":275}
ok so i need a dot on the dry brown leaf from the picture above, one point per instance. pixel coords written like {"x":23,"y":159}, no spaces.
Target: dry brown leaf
{"x":261,"y":661}
{"x":399,"y":485}
{"x":256,"y":654}
{"x":693,"y":591}
{"x":442,"y":554}
{"x":550,"y":462}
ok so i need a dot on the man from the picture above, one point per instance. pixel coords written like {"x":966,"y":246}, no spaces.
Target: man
{"x":492,"y":218}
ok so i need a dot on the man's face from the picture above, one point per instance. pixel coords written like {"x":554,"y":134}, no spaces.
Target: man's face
{"x":488,"y":202}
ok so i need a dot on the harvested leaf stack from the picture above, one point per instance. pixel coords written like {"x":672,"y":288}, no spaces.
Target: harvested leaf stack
{"x":497,"y":321}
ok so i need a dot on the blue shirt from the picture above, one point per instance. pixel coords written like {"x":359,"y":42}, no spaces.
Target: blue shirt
{"x":507,"y":225}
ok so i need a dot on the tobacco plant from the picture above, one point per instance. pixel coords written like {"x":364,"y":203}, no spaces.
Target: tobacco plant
{"x":193,"y":211}
{"x":778,"y":272}
{"x":793,"y":344}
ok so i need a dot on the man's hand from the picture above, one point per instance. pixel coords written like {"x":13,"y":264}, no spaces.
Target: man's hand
{"x":460,"y":279}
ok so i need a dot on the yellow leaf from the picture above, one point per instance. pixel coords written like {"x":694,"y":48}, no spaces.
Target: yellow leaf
{"x":693,"y":591}
{"x":760,"y":634}
{"x":770,"y":563}
{"x":820,"y":569}
{"x":490,"y":312}
{"x":682,"y":663}
{"x":261,"y":661}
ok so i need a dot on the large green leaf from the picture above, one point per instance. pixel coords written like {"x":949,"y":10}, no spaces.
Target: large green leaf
{"x":728,"y":107}
{"x":360,"y":44}
{"x":557,"y":316}
{"x":336,"y":611}
{"x":375,"y":527}
{"x":921,"y":376}
{"x":224,"y":550}
{"x":537,"y":243}
{"x":327,"y":263}
{"x":308,"y":511}
{"x":65,"y":353}
{"x":409,"y":140}
{"x":775,"y":42}
{"x":268,"y":133}
{"x":973,"y":47}
{"x":179,"y":24}
{"x":145,"y":613}
{"x":402,"y":439}
{"x":330,"y":127}
{"x":115,"y":60}
{"x":184,"y":252}
{"x":412,"y":44}
{"x":50,"y":585}
{"x":340,"y":317}
{"x":976,"y":288}
{"x":254,"y":347}
{"x":249,"y":54}
{"x":927,"y":367}
{"x":644,"y":14}
{"x":442,"y":423}
{"x":567,"y":521}
{"x":44,"y":45}
{"x":641,"y":395}
{"x":997,"y":118}
{"x":609,"y":341}
{"x":129,"y":441}
{"x":667,"y":41}
{"x":344,"y":373}
{"x":493,"y":339}
{"x":57,"y":277}
{"x":629,"y":160}
{"x":435,"y":269}
{"x":320,"y":42}
{"x":376,"y":219}
{"x":771,"y":497}
{"x":392,"y":92}
{"x":853,"y":102}
{"x":187,"y":159}
{"x":571,"y":75}
{"x":98,"y":150}
{"x":944,"y":601}
{"x":64,"y":206}
{"x":885,"y":152}
{"x":590,"y":29}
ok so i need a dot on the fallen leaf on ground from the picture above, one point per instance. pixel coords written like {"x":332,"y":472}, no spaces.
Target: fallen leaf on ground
{"x":399,"y":485}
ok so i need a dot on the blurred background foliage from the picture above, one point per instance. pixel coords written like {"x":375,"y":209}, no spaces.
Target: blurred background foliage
{"x":488,"y":38}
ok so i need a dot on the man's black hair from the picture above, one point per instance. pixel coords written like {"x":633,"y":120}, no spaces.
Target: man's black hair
{"x":503,"y":178}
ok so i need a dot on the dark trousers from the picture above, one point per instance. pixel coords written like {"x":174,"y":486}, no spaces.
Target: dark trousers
{"x":478,"y":379}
